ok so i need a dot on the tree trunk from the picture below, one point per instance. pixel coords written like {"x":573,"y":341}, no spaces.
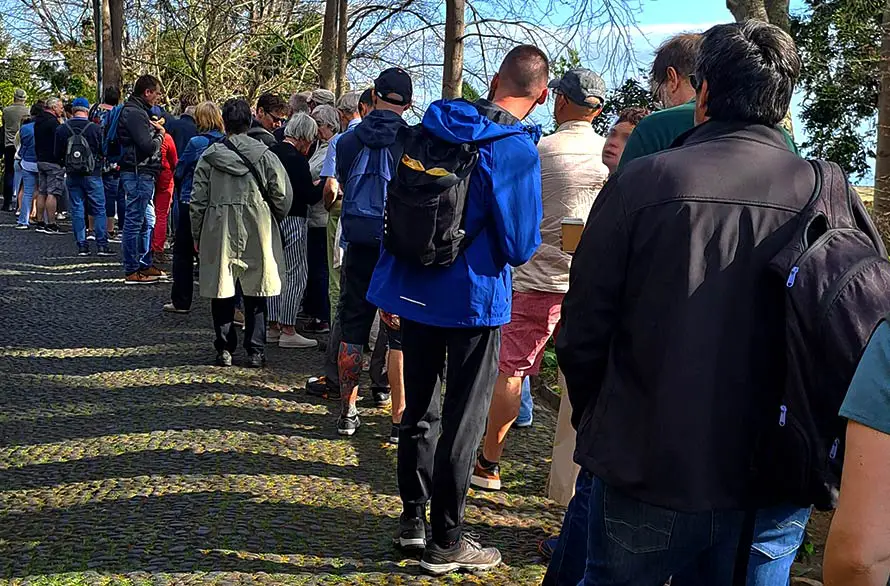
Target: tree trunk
{"x":113,"y":43}
{"x":882,"y":158}
{"x":778,"y":12}
{"x":748,"y":10}
{"x":327,"y":72}
{"x":341,"y":48}
{"x":452,"y":74}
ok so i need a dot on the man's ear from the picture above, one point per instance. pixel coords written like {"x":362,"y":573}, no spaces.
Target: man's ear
{"x":701,"y":103}
{"x":672,"y":80}
{"x":543,"y":97}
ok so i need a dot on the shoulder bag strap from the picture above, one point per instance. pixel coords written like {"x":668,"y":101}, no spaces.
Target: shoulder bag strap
{"x":253,"y":170}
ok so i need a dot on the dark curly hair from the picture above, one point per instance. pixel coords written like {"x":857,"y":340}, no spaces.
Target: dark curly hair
{"x":632,"y":115}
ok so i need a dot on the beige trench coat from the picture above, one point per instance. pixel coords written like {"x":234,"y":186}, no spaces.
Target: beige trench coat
{"x":232,"y":224}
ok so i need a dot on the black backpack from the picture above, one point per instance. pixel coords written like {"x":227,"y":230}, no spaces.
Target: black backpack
{"x":426,"y":199}
{"x":79,"y":158}
{"x":836,"y":279}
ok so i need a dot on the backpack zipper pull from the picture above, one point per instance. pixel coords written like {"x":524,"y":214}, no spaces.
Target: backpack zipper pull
{"x":833,"y":453}
{"x":792,"y":277}
{"x":783,"y":412}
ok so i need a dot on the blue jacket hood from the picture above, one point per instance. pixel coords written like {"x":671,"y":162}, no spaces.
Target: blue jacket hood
{"x":379,"y":129}
{"x":459,"y":121}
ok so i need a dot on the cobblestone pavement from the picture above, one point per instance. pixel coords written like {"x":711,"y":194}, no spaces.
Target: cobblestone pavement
{"x":126,"y":459}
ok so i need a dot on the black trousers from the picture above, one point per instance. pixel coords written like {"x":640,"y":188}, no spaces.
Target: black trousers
{"x":223,"y":311}
{"x":183,"y":261}
{"x":8,"y":177}
{"x":316,"y":302}
{"x":437,"y":445}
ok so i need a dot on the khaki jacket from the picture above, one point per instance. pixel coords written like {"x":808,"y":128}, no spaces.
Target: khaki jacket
{"x":232,"y":224}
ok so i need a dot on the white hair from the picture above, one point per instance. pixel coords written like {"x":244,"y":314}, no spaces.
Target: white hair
{"x":52,"y":103}
{"x":327,"y":116}
{"x":301,"y":126}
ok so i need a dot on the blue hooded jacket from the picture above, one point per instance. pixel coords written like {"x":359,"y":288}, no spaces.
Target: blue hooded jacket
{"x":503,"y":218}
{"x":185,"y":168}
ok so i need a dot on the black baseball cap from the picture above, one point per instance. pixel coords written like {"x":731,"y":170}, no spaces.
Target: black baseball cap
{"x":393,"y":85}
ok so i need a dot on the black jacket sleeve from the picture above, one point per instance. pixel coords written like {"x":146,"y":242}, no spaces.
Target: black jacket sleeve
{"x":145,"y":140}
{"x":591,"y":308}
{"x":61,"y":143}
{"x":305,"y":192}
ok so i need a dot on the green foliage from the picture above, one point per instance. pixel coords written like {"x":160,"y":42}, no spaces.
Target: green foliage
{"x":469,"y":93}
{"x":632,"y":93}
{"x":839,"y":42}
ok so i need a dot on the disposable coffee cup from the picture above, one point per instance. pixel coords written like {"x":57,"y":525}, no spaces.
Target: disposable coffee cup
{"x":572,"y":228}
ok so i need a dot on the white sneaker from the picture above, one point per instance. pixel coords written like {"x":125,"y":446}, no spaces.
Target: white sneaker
{"x":295,"y":340}
{"x":272,"y":336}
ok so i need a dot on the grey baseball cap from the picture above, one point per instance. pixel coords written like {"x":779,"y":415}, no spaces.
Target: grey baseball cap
{"x":19,"y":94}
{"x":581,"y":86}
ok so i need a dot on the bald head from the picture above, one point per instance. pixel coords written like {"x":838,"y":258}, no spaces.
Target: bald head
{"x":524,"y":72}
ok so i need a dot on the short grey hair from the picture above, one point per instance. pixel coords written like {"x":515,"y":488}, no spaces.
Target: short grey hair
{"x":52,"y":103}
{"x":348,"y":103}
{"x":301,"y":126}
{"x":327,"y":116}
{"x":190,"y":111}
{"x":322,"y":96}
{"x":299,"y":102}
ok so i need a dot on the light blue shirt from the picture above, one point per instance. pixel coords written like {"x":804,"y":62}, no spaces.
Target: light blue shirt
{"x":868,"y":399}
{"x":329,"y":167}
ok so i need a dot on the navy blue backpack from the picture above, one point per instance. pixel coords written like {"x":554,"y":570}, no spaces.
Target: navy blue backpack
{"x":365,"y":192}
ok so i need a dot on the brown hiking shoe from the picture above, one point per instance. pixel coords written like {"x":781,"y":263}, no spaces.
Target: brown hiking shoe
{"x":138,"y":278}
{"x":486,"y":478}
{"x":154,"y":273}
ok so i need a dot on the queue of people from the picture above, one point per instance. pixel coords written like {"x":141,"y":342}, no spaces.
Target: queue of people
{"x":448,"y":240}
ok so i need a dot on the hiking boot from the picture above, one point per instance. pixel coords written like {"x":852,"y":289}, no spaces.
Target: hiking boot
{"x":138,"y":278}
{"x":487,"y":478}
{"x":295,"y":340}
{"x":394,"y":434}
{"x":381,"y":396}
{"x":413,"y":534}
{"x":170,"y":308}
{"x":316,"y":327}
{"x":348,"y":425}
{"x":466,"y":554}
{"x":105,"y":251}
{"x":224,"y":358}
{"x":318,"y":387}
{"x":83,"y":250}
{"x":155,"y":273}
{"x":256,"y":361}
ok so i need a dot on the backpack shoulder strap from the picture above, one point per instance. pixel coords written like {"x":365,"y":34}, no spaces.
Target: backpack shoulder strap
{"x":841,"y":202}
{"x":250,"y":167}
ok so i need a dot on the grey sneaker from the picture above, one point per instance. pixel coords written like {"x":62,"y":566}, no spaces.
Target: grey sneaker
{"x":348,"y":425}
{"x":466,"y":554}
{"x":224,"y":358}
{"x":413,"y":534}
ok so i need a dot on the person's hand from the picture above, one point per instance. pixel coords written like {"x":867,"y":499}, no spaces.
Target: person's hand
{"x":392,"y":321}
{"x":157,"y":126}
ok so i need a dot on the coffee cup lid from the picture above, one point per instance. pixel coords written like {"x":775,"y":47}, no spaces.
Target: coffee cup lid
{"x":573,"y":221}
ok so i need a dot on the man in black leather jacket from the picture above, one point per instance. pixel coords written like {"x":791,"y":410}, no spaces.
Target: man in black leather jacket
{"x":140,"y":141}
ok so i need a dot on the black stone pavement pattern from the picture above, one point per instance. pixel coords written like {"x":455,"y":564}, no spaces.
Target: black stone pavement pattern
{"x":127,"y":458}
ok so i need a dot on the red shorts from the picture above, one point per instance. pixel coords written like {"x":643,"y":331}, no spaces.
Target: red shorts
{"x":534,"y":319}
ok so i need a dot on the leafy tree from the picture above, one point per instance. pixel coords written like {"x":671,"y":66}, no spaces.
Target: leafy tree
{"x":632,"y":93}
{"x":839,"y":42}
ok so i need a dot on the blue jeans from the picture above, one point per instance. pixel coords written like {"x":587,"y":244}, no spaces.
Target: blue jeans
{"x":115,"y":203}
{"x":778,"y":533}
{"x":139,"y":220}
{"x":632,"y":543}
{"x":29,"y":180}
{"x":526,"y":406}
{"x":567,"y":564}
{"x":81,"y":189}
